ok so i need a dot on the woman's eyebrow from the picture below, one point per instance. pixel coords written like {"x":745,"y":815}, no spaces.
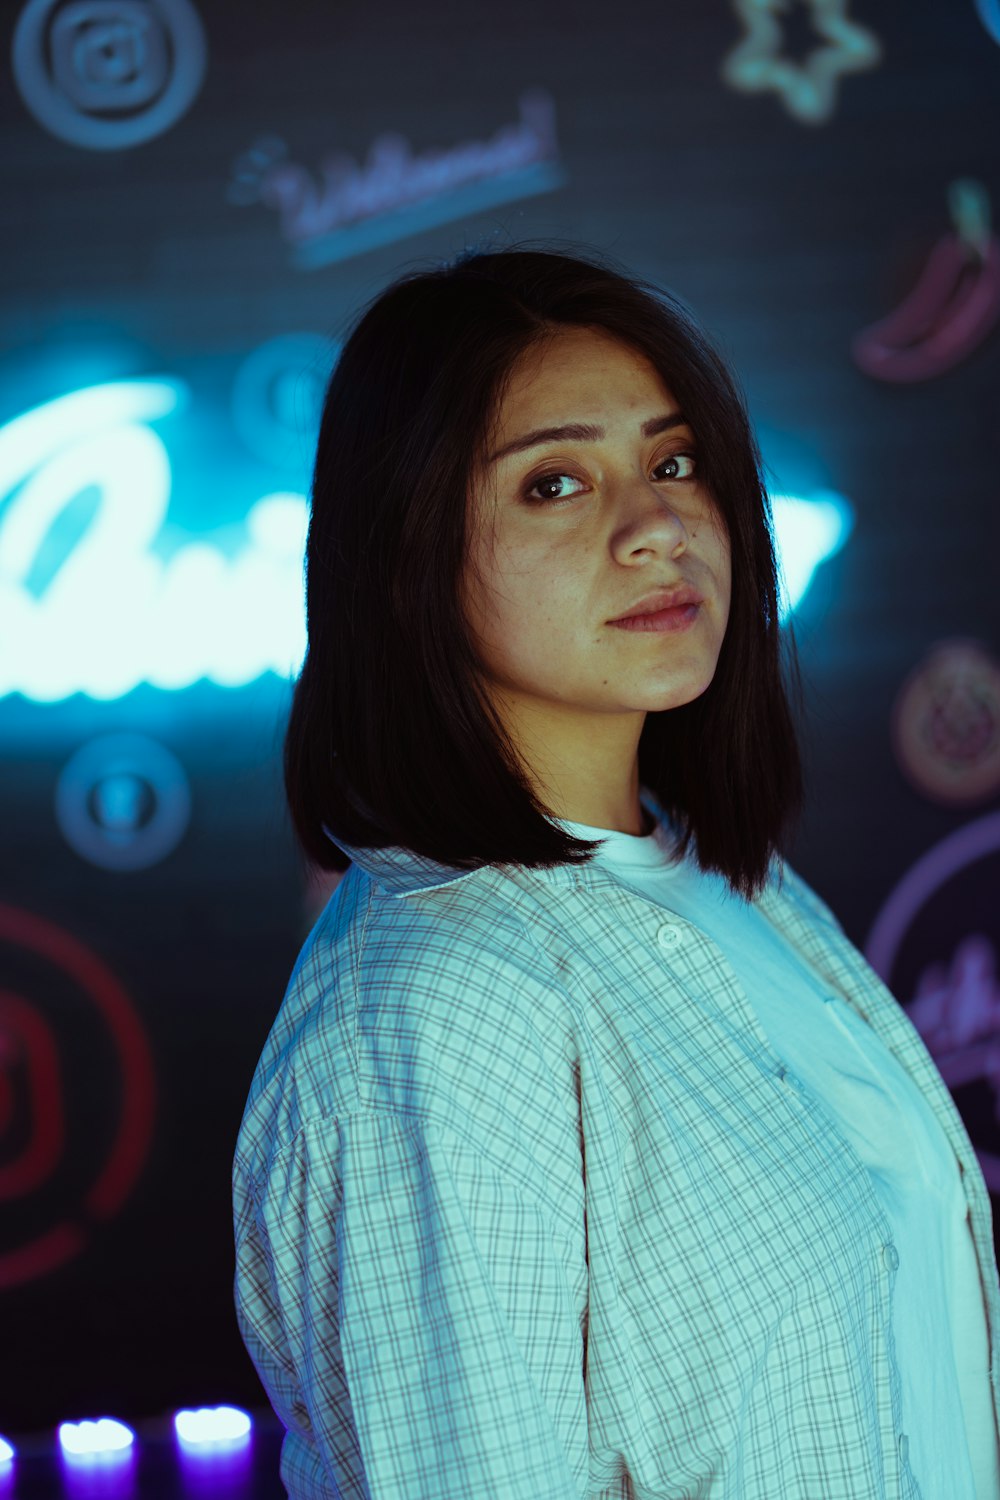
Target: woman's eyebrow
{"x":581,"y":432}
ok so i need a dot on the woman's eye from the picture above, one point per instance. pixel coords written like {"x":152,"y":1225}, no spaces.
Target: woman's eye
{"x":550,"y":480}
{"x":676,"y":458}
{"x":545,"y":481}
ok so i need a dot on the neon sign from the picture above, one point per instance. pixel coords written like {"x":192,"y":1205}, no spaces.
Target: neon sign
{"x":346,"y":209}
{"x":808,"y":91}
{"x":108,"y":77}
{"x":114,"y":614}
{"x":806,"y":534}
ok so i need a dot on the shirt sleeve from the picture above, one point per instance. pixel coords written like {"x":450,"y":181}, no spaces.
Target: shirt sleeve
{"x":415,"y":1320}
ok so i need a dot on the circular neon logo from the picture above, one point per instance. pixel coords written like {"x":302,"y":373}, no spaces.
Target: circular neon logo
{"x":108,"y":74}
{"x":123,"y":801}
{"x":945,"y":724}
{"x":62,"y":1177}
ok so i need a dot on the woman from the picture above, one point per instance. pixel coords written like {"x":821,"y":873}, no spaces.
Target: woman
{"x":586,"y":1156}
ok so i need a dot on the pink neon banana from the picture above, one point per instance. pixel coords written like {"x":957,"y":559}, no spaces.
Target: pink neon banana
{"x":954,"y":305}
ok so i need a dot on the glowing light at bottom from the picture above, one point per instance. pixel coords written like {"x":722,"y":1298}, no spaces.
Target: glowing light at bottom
{"x":90,"y":1439}
{"x":211,"y":1426}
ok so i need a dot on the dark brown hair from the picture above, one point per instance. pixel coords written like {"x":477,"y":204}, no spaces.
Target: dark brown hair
{"x":390,"y":738}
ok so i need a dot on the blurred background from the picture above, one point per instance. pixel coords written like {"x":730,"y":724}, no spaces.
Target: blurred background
{"x":196,"y":200}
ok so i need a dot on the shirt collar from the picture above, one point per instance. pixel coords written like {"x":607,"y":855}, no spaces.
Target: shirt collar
{"x":402,"y":872}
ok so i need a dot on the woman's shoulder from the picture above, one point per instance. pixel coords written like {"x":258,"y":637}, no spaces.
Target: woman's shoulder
{"x":428,"y":1006}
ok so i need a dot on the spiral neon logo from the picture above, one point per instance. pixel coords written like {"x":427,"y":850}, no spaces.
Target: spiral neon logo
{"x":61,"y":1183}
{"x":108,"y":74}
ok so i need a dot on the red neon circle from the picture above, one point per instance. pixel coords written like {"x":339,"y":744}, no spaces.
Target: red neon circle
{"x":131,"y":1143}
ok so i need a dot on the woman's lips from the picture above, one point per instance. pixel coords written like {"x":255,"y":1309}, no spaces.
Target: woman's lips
{"x":662,"y":620}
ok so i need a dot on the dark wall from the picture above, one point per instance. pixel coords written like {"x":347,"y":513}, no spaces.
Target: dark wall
{"x":155,"y":209}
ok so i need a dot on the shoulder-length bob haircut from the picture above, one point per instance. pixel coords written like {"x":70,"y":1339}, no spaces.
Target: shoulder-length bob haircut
{"x":391,"y":739}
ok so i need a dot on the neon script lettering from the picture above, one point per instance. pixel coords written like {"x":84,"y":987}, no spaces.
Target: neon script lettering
{"x":394,"y":177}
{"x":114,"y":614}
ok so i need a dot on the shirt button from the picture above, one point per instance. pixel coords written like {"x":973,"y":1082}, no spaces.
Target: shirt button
{"x":891,"y":1256}
{"x":904,"y":1447}
{"x":669,"y":936}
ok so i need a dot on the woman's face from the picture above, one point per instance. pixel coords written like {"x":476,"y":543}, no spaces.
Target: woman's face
{"x":617,"y":517}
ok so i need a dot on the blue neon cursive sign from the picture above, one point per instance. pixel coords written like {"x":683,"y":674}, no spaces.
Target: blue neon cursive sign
{"x":114,"y":614}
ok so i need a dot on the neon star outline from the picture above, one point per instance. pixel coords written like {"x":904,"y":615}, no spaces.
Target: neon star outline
{"x":808,"y":92}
